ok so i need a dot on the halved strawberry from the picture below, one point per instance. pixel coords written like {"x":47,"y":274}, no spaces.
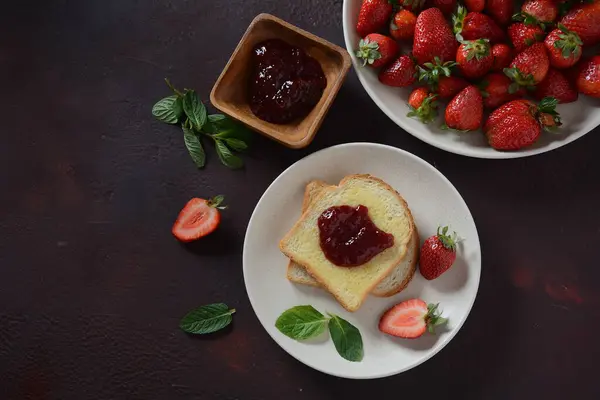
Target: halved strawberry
{"x":410,"y":319}
{"x":198,"y":218}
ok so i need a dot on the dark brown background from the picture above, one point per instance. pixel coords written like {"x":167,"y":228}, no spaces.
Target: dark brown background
{"x":92,"y":284}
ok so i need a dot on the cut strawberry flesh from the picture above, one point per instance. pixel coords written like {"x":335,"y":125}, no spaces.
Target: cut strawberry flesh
{"x":197,"y":219}
{"x":406,"y":320}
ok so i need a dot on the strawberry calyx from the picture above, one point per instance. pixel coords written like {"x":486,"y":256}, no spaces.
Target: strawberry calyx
{"x":413,"y":5}
{"x":530,"y":20}
{"x":546,"y":113}
{"x":430,"y":73}
{"x":569,"y":42}
{"x":449,"y":241}
{"x":427,"y":111}
{"x":215,"y":202}
{"x":477,"y":49}
{"x":368,"y":51}
{"x":458,"y":20}
{"x":519,"y":80}
{"x":434,"y":317}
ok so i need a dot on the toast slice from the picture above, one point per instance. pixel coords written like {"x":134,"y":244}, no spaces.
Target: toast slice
{"x":392,"y":284}
{"x":389,"y":212}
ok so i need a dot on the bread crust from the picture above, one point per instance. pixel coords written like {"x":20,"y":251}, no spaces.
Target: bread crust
{"x":317,"y":276}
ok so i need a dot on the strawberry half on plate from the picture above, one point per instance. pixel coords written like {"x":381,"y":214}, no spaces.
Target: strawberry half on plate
{"x":198,"y":218}
{"x":410,"y":319}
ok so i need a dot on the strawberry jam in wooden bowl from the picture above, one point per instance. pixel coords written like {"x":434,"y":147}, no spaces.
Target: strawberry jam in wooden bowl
{"x":231,"y":93}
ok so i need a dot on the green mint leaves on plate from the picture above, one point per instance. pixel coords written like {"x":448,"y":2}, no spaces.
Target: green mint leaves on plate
{"x":305,"y":322}
{"x":207,"y":319}
{"x":187,"y":109}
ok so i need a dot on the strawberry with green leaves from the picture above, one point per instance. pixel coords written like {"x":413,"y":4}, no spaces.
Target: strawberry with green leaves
{"x":400,"y":73}
{"x":529,"y":67}
{"x":438,"y":77}
{"x":423,"y":105}
{"x":474,"y":58}
{"x":433,"y":38}
{"x":523,"y":35}
{"x":538,"y":11}
{"x":496,"y":90}
{"x":475,"y":25}
{"x":411,"y":319}
{"x":556,"y":85}
{"x":519,"y":123}
{"x":376,"y":50}
{"x":403,"y":24}
{"x":584,"y":20}
{"x":373,"y":16}
{"x":564,"y":47}
{"x":503,"y":55}
{"x":464,"y":113}
{"x":438,"y":253}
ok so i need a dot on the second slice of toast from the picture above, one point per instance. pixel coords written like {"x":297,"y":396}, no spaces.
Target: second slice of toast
{"x":389,"y":212}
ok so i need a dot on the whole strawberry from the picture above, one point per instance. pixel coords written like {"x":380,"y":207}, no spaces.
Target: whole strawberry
{"x":449,"y":86}
{"x":529,"y":67}
{"x":376,"y":50}
{"x":564,"y":47}
{"x":465,"y":110}
{"x":422,"y":105}
{"x":584,"y":20}
{"x":402,"y":26}
{"x":519,"y":123}
{"x":503,"y":55}
{"x":543,"y":11}
{"x":445,"y":6}
{"x":588,"y":77}
{"x":556,"y":85}
{"x":500,"y":10}
{"x":400,"y":73}
{"x":373,"y":16}
{"x":474,"y":58}
{"x":438,"y":253}
{"x":475,"y":5}
{"x":438,"y":77}
{"x":522,"y":36}
{"x":475,"y":25}
{"x":433,"y":37}
{"x":496,"y":90}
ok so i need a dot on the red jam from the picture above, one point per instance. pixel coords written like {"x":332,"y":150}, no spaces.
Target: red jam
{"x":349,"y":237}
{"x":285,"y":82}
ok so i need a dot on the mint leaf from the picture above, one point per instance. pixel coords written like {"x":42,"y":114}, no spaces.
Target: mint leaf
{"x":194,"y":146}
{"x":301,"y":322}
{"x":236,"y":144}
{"x":207,"y":319}
{"x":168,"y":110}
{"x":194,"y":109}
{"x":227,"y":157}
{"x":216,"y":118}
{"x":346,"y":338}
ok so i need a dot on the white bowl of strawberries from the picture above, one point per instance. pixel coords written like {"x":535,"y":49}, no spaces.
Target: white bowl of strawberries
{"x":483,"y":78}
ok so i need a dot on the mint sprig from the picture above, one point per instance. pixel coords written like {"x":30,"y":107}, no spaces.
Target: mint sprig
{"x":304,"y":322}
{"x":187,"y":109}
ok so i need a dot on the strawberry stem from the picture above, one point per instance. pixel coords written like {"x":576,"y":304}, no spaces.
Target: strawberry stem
{"x":449,"y":241}
{"x":368,"y":51}
{"x":216,"y":202}
{"x":434,"y":317}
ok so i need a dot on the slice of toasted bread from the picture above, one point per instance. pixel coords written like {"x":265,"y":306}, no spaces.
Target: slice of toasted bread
{"x":392,"y":284}
{"x":389,"y":212}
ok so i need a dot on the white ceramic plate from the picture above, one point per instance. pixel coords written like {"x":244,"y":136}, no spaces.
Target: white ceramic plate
{"x":432,"y":199}
{"x":578,"y":118}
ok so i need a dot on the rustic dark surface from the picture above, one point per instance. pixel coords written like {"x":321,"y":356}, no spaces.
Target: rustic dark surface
{"x":92,"y":284}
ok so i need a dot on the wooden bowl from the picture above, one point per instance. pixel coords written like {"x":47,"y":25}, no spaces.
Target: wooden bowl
{"x":230,"y":93}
